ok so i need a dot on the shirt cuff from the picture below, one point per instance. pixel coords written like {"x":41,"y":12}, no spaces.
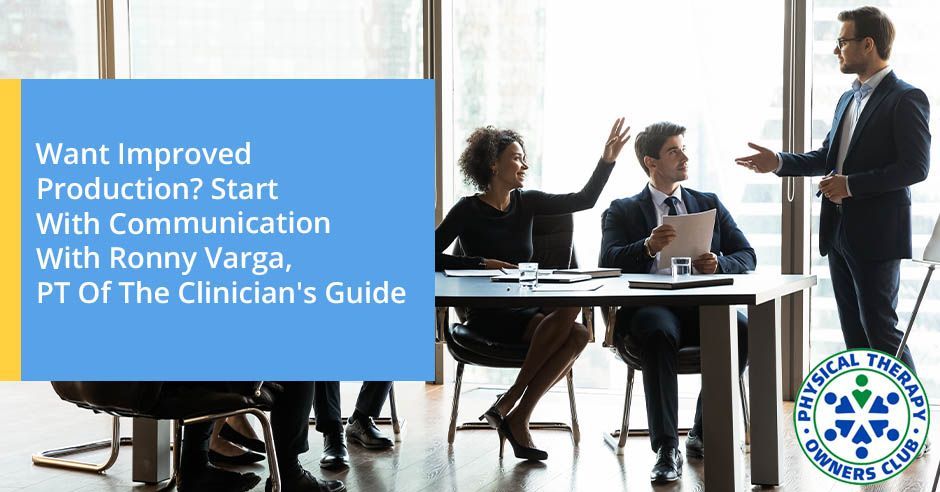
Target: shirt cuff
{"x":779,"y":164}
{"x":848,"y":191}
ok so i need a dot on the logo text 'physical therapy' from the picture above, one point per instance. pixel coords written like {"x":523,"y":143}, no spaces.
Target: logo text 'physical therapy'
{"x":861,"y":416}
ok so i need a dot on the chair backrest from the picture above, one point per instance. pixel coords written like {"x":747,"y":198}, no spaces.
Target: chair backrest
{"x":159,"y":400}
{"x":932,"y":251}
{"x":552,"y":242}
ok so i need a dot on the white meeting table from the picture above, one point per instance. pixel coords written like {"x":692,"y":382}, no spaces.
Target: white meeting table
{"x":718,"y":321}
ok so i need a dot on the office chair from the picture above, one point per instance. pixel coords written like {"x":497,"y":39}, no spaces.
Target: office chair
{"x":689,"y":362}
{"x":552,"y":244}
{"x":184,"y":403}
{"x":931,"y":258}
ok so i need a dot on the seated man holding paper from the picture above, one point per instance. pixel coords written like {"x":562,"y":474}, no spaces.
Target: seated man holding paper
{"x":636,"y":240}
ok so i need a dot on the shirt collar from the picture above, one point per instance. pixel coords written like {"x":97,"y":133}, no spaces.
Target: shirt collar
{"x":876,"y":79}
{"x":659,"y":197}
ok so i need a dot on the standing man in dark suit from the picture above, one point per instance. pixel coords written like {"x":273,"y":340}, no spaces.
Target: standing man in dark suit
{"x":361,"y":429}
{"x":633,"y":237}
{"x":878,"y":145}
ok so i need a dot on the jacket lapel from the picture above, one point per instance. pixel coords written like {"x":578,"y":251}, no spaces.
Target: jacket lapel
{"x":886,"y":86}
{"x":691,"y":204}
{"x":645,"y":201}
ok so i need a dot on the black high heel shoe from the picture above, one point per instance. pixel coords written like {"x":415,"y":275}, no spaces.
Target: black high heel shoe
{"x":231,"y":435}
{"x":492,"y":415}
{"x":521,"y":452}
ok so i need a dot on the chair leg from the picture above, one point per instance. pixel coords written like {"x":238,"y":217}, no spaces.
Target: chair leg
{"x":618,"y":439}
{"x":575,"y":427}
{"x":52,"y":457}
{"x":453,"y":412}
{"x":397,"y":425}
{"x":274,"y":469}
{"x":745,"y":408}
{"x":910,"y":323}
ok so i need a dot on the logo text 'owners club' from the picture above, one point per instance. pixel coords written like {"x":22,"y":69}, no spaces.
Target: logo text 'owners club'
{"x":861,"y":416}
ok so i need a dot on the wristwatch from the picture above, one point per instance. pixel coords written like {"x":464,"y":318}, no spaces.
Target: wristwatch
{"x":646,"y":246}
{"x":482,"y":264}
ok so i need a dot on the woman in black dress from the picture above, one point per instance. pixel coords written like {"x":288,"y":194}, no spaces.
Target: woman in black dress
{"x":495,"y":231}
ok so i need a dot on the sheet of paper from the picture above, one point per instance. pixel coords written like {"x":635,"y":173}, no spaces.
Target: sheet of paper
{"x":577,"y":287}
{"x":472,"y":273}
{"x":694,"y":236}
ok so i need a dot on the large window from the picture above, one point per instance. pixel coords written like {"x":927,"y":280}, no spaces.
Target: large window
{"x":48,"y":39}
{"x":913,"y":49}
{"x":561,"y":72}
{"x":249,"y":38}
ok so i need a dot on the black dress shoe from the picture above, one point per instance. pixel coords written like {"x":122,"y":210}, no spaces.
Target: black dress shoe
{"x":307,"y":483}
{"x":366,"y":434}
{"x":335,"y":456}
{"x":212,"y":479}
{"x":231,"y":435}
{"x":246,"y":458}
{"x":668,"y":467}
{"x":695,"y":446}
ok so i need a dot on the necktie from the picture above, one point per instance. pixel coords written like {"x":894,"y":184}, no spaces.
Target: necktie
{"x":860,"y":91}
{"x":671,"y":202}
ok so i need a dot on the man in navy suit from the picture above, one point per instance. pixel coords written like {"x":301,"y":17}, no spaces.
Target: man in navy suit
{"x":633,"y":237}
{"x":878,"y":145}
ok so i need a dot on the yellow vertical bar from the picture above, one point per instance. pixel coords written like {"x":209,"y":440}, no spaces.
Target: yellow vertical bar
{"x":10,"y":231}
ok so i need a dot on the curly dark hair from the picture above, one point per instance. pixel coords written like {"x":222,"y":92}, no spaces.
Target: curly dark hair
{"x":484,"y":146}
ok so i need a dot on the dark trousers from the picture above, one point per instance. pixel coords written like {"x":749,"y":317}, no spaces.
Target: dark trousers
{"x":326,"y":403}
{"x":660,"y":332}
{"x":290,"y":416}
{"x":866,"y":295}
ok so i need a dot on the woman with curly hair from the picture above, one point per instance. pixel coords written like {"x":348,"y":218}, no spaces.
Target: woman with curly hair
{"x":494,"y":228}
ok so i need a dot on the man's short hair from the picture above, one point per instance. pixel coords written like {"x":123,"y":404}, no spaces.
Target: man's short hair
{"x":651,"y":139}
{"x":872,"y":23}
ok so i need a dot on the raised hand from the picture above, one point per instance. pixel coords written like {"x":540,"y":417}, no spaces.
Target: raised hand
{"x":764,"y":161}
{"x":616,"y":140}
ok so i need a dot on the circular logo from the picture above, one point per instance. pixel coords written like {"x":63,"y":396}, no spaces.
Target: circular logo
{"x":861,"y":416}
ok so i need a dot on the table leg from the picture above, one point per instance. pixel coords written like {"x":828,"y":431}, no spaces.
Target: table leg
{"x":765,"y":387}
{"x":720,"y":397}
{"x":151,"y":452}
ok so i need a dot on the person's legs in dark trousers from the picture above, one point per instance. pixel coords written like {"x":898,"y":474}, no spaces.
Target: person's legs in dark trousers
{"x":656,"y":330}
{"x":326,"y":407}
{"x":843,"y":289}
{"x":867,"y":298}
{"x":372,"y":396}
{"x":692,"y":336}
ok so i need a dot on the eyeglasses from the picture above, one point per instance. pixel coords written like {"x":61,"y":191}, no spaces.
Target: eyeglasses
{"x":841,"y":42}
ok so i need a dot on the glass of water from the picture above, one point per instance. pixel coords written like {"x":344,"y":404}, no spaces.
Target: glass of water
{"x":681,"y":267}
{"x":528,"y":275}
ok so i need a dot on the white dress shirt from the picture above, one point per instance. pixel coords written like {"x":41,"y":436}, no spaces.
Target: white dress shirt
{"x":659,"y":202}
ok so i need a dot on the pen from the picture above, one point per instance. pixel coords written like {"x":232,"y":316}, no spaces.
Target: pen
{"x":831,"y":173}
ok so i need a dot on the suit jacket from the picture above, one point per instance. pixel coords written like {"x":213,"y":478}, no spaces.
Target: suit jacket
{"x":889,"y":151}
{"x":629,"y":221}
